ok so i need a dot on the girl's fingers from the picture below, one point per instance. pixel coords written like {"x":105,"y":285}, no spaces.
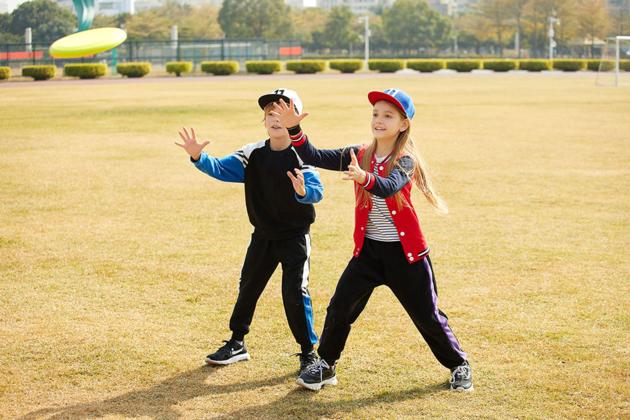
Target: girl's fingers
{"x":183,"y":137}
{"x":302,"y":116}
{"x":186,"y":132}
{"x":204,"y":144}
{"x":353,"y":157}
{"x":194,"y":137}
{"x":180,"y":145}
{"x":291,"y":176}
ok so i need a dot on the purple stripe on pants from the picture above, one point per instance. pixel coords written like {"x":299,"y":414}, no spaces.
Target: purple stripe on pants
{"x":442,"y":320}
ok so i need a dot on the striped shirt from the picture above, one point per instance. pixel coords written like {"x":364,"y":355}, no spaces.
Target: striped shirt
{"x":380,"y":226}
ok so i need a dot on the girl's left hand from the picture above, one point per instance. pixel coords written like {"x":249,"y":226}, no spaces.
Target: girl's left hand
{"x":354,"y":172}
{"x":286,"y":114}
{"x":298,"y":182}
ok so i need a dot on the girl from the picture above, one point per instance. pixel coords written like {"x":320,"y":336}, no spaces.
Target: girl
{"x":390,"y":248}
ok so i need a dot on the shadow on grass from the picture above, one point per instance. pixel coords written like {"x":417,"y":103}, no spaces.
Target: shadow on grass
{"x":157,"y":401}
{"x":299,"y":403}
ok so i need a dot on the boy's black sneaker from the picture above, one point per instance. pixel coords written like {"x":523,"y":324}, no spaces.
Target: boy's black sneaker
{"x":230,"y":352}
{"x":306,"y":359}
{"x":317,"y":375}
{"x":461,"y":378}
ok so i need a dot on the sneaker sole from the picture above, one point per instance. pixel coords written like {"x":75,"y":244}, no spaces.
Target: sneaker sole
{"x":319,"y":385}
{"x":462,"y":389}
{"x":233,"y":359}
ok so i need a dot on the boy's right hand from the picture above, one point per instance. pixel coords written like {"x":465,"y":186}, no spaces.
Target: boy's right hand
{"x":190,"y":144}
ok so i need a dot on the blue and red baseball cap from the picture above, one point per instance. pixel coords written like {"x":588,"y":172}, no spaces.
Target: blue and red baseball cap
{"x":396,"y":97}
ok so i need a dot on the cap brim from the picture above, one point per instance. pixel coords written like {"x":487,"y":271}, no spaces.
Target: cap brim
{"x":265,"y":100}
{"x":376,"y":96}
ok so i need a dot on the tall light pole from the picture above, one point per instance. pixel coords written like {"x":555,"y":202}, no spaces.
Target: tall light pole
{"x":366,"y":38}
{"x":552,"y":43}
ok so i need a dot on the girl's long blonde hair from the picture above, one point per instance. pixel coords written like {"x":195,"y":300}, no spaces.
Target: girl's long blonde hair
{"x":419,"y":174}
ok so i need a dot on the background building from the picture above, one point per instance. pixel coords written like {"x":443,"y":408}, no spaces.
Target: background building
{"x":357,"y":6}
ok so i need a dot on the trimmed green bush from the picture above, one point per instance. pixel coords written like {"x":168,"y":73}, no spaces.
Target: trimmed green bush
{"x":499,"y":65}
{"x":306,"y":66}
{"x":386,"y":66}
{"x":220,"y":68}
{"x":568,"y":65}
{"x":39,"y":72}
{"x":534,"y":65}
{"x":5,"y":73}
{"x":85,"y":70}
{"x":262,"y":67}
{"x":463,"y":66}
{"x":426,"y":66}
{"x":346,"y":66}
{"x":134,"y":69}
{"x":624,"y":65}
{"x":606,"y":65}
{"x":179,"y":67}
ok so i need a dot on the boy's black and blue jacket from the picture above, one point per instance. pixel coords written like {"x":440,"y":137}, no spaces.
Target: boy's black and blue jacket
{"x":273,"y":207}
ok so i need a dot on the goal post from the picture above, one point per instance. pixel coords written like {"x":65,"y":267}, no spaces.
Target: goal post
{"x":614,"y":66}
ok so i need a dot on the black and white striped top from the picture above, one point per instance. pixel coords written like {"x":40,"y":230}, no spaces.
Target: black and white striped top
{"x":380,"y":226}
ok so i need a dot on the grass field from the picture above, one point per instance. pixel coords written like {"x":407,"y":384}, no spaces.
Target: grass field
{"x":119,"y":261}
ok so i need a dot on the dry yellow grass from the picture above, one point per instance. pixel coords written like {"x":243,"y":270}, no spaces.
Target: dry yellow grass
{"x":119,"y":261}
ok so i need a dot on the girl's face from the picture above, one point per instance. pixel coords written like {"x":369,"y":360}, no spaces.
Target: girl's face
{"x":387,"y":122}
{"x":272,"y":123}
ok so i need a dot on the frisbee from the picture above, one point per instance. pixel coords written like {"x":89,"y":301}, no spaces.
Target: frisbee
{"x":90,"y":42}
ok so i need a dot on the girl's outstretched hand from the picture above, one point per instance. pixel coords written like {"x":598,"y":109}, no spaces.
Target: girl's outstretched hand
{"x":286,"y":113}
{"x":354,"y":172}
{"x":298,"y":182}
{"x":190,"y":144}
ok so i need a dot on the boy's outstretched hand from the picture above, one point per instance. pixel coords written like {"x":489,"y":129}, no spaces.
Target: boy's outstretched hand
{"x":354,"y":172}
{"x":286,"y":114}
{"x":298,"y":182}
{"x":190,"y":144}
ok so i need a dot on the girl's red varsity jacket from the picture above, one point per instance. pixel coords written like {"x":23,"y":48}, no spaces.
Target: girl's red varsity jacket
{"x":384,"y":185}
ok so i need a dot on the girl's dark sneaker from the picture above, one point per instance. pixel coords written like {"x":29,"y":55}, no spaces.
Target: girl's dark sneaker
{"x":317,"y":375}
{"x":461,"y":378}
{"x":231,"y":352}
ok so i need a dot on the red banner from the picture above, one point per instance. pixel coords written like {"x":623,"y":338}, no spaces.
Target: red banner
{"x":21,"y":55}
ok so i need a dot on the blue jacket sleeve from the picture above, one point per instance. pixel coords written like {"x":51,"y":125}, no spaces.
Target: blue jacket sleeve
{"x":332,"y":159}
{"x":314,"y":187}
{"x":229,"y":168}
{"x":385,"y":187}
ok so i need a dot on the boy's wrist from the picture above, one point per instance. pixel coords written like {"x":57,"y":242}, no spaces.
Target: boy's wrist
{"x":295,"y":130}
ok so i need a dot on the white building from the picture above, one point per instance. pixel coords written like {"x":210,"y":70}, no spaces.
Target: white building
{"x":357,"y":6}
{"x":8,"y":6}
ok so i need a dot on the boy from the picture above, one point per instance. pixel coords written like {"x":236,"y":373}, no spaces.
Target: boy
{"x":279,"y":195}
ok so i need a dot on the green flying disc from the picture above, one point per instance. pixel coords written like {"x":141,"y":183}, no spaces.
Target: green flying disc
{"x":90,"y":42}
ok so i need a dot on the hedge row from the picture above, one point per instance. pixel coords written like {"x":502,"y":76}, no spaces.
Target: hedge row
{"x":85,"y":71}
{"x":95,"y":70}
{"x":179,"y":67}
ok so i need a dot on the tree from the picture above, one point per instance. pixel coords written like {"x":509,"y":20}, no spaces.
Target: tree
{"x":515,"y":9}
{"x":497,"y":14}
{"x":620,"y":18}
{"x":6,"y":37}
{"x":339,"y":32}
{"x":48,"y":20}
{"x":412,"y":25}
{"x":593,"y":20}
{"x":268,"y":19}
{"x":308,"y":25}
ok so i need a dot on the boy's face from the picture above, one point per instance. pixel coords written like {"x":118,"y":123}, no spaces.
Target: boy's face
{"x":272,"y":123}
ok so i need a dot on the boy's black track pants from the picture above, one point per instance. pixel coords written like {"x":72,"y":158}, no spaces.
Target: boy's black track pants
{"x":263,"y":256}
